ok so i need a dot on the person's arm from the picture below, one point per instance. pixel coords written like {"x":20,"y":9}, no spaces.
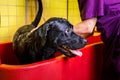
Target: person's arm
{"x":85,"y":28}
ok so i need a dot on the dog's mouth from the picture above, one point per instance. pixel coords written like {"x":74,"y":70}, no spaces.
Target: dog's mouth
{"x":70,"y":52}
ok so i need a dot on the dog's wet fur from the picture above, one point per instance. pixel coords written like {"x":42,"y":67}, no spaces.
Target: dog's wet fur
{"x":32,"y":44}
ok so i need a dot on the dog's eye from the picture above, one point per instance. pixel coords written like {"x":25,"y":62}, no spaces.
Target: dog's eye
{"x":67,"y":30}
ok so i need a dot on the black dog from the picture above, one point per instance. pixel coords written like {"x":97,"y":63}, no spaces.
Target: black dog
{"x":33,"y":44}
{"x":36,"y":44}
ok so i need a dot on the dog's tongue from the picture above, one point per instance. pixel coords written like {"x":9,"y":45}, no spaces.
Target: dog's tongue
{"x":76,"y":52}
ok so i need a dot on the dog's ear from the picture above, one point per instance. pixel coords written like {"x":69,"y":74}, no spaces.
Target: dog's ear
{"x":43,"y":31}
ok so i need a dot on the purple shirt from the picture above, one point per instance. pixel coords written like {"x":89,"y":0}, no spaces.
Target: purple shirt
{"x":107,"y":13}
{"x":96,"y":8}
{"x":108,"y":23}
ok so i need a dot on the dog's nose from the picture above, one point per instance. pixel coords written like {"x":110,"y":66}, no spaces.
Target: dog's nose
{"x":84,"y":41}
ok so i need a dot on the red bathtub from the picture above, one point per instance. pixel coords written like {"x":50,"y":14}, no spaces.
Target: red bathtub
{"x":87,"y":67}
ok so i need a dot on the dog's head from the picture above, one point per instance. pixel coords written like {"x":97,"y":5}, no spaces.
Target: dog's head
{"x":58,"y":34}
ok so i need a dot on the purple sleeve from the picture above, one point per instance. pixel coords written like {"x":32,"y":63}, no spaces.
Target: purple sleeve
{"x":91,"y":8}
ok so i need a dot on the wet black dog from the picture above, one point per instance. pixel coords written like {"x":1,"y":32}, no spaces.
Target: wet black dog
{"x":33,"y":44}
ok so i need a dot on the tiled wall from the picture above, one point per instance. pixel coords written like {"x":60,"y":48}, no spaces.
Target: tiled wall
{"x":73,"y":12}
{"x":15,"y":13}
{"x":58,"y":8}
